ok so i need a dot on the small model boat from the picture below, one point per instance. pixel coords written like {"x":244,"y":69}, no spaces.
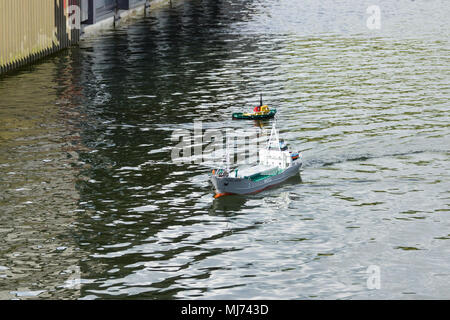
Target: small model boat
{"x":261,"y":115}
{"x":275,"y":165}
{"x":260,"y":112}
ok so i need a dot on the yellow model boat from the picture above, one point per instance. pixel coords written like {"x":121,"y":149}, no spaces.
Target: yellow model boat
{"x":264,"y":113}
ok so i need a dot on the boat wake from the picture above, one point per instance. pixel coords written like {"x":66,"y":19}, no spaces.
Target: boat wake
{"x":316,"y":158}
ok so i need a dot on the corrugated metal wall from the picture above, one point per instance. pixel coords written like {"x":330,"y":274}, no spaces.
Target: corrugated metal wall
{"x":31,"y":29}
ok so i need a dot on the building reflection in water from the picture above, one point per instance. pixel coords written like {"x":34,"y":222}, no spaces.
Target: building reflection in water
{"x":39,"y":163}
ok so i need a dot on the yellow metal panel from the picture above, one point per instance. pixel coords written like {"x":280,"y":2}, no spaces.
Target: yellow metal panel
{"x":31,"y":29}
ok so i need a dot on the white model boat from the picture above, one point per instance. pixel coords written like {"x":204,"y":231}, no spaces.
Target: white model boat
{"x":275,"y":165}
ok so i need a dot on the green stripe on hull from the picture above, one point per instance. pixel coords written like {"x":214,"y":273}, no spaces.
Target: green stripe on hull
{"x":259,"y":177}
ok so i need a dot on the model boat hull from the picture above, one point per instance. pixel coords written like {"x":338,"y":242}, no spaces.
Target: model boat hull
{"x":229,"y":185}
{"x":243,"y":116}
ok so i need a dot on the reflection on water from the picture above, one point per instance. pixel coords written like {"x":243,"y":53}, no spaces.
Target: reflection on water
{"x":39,"y":144}
{"x":87,"y":179}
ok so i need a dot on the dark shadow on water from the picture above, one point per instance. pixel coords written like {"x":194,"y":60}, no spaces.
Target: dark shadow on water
{"x":228,"y":205}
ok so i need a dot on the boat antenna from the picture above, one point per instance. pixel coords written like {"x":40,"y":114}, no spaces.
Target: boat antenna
{"x":260,"y":100}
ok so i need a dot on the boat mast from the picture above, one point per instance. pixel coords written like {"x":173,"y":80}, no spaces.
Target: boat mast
{"x":227,"y":159}
{"x":274,"y":136}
